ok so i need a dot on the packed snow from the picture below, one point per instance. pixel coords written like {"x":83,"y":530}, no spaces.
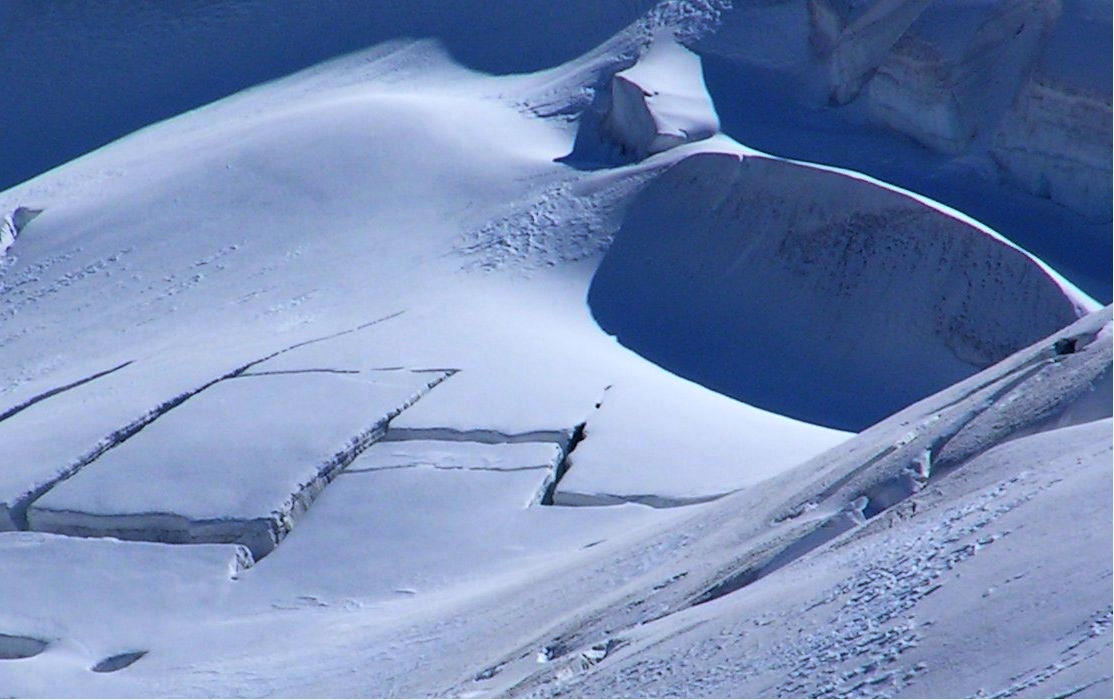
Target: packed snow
{"x":394,"y":377}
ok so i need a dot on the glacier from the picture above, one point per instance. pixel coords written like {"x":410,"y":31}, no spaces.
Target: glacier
{"x":684,"y":348}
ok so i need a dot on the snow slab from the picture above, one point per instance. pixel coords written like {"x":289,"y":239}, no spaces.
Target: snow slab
{"x":407,"y":519}
{"x":82,"y":415}
{"x":679,"y":424}
{"x":460,"y":455}
{"x":543,"y":455}
{"x":234,"y":464}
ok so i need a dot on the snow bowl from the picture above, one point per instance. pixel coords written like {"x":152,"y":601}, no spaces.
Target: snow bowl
{"x":814,"y":293}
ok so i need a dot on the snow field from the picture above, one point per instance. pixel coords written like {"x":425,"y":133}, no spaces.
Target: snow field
{"x":217,"y":317}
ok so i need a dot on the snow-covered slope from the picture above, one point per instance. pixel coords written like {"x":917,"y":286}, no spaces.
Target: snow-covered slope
{"x":815,"y":293}
{"x":857,"y":573}
{"x":306,"y":392}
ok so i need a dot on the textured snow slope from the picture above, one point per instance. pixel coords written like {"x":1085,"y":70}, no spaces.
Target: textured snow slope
{"x":302,"y":232}
{"x":1022,"y":88}
{"x":889,"y":610}
{"x":226,"y":321}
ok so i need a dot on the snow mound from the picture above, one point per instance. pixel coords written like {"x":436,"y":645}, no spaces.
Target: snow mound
{"x":660,"y":102}
{"x":657,"y":104}
{"x":813,"y":293}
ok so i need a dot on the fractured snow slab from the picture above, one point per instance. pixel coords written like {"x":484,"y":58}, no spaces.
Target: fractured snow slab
{"x":460,"y":455}
{"x":693,"y":445}
{"x":541,"y":458}
{"x":46,"y":437}
{"x":237,"y":463}
{"x":408,"y":518}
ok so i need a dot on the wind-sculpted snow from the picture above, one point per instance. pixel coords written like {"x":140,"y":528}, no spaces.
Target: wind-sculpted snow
{"x":815,"y":294}
{"x":11,"y":225}
{"x":158,"y":585}
{"x":14,"y":646}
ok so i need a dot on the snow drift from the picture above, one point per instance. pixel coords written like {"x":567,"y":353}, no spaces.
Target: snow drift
{"x":814,"y":293}
{"x":658,"y":103}
{"x":12,"y":224}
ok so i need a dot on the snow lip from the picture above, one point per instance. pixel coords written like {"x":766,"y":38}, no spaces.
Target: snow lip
{"x":258,"y":535}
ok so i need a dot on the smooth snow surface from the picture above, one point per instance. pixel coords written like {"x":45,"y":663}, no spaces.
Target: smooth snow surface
{"x":396,"y":378}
